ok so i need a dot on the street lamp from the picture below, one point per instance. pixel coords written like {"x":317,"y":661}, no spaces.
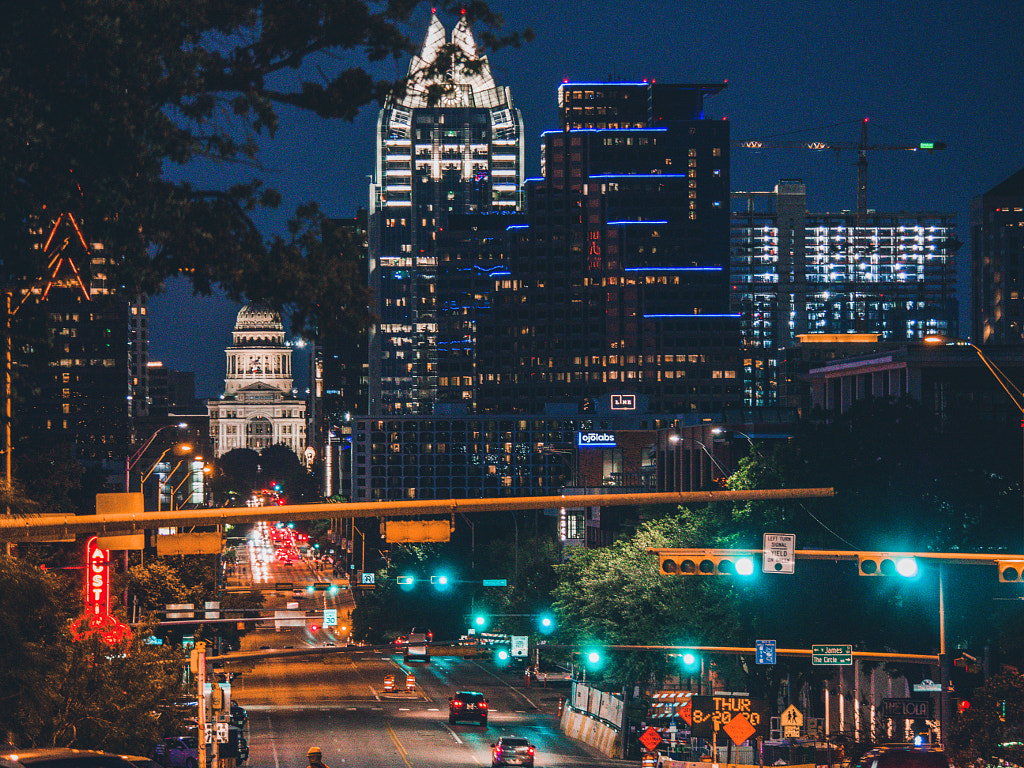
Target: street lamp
{"x":676,"y":438}
{"x":166,"y":481}
{"x":723,"y":430}
{"x":133,"y":459}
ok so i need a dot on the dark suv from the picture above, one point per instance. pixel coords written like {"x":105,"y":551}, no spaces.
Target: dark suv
{"x":467,"y":705}
{"x":512,"y":750}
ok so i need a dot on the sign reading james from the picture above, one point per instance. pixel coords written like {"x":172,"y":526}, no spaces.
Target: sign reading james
{"x":595,"y":439}
{"x":739,"y":717}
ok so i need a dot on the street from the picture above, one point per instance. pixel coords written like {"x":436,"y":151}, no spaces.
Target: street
{"x":336,"y":700}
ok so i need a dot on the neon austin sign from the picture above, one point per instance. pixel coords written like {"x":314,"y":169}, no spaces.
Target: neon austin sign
{"x":97,"y":619}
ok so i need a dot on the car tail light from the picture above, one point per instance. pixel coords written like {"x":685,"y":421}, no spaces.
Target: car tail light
{"x":456,"y":703}
{"x":530,"y":751}
{"x":482,"y":705}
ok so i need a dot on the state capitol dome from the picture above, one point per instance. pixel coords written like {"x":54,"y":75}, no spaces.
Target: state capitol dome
{"x":257,"y":316}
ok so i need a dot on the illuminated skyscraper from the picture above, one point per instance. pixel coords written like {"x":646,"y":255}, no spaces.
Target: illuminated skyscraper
{"x":997,"y":253}
{"x":618,"y":282}
{"x":888,"y":277}
{"x":450,"y":144}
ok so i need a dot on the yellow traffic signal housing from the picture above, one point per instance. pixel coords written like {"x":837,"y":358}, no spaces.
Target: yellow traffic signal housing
{"x":705,"y":564}
{"x":886,"y":564}
{"x":1011,"y":570}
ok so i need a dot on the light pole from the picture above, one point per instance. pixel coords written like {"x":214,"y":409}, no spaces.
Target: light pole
{"x":568,"y":458}
{"x":674,"y":439}
{"x":162,"y":483}
{"x":723,"y":430}
{"x":1008,"y":386}
{"x":133,"y":459}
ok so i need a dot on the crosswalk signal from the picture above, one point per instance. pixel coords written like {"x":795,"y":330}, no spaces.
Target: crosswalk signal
{"x":1011,"y":570}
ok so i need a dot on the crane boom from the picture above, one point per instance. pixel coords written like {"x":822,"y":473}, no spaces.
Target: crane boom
{"x":861,"y":146}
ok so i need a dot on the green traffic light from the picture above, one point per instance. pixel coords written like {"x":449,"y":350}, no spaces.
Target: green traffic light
{"x":480,"y":621}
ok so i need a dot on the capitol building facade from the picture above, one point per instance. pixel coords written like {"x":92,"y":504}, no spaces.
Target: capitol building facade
{"x":257,"y":408}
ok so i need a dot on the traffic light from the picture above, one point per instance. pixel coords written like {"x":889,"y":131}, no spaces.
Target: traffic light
{"x":480,"y":622}
{"x":1011,"y":570}
{"x":502,"y":657}
{"x":440,"y":581}
{"x":690,"y":661}
{"x":705,"y":563}
{"x":886,"y":564}
{"x":406,"y":582}
{"x":592,"y":658}
{"x":546,"y":623}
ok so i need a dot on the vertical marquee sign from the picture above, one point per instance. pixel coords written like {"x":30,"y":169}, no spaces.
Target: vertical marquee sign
{"x":97,"y":618}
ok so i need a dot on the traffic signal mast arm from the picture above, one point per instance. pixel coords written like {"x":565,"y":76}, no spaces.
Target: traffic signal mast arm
{"x":960,"y":558}
{"x":714,"y":562}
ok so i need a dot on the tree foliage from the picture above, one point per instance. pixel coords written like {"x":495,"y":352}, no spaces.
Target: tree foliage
{"x":58,"y":692}
{"x":105,"y":107}
{"x":991,"y":731}
{"x":614,"y":595}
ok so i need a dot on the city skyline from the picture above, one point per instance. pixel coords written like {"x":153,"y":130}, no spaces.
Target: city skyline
{"x":946,"y":76}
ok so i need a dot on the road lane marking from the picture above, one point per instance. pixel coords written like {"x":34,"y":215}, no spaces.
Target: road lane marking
{"x":514,"y":690}
{"x":398,"y":745}
{"x":454,"y":735}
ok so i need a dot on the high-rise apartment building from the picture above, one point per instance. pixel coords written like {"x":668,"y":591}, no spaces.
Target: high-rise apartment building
{"x":618,"y":281}
{"x":74,"y":389}
{"x":888,"y":277}
{"x":450,"y":144}
{"x":997,"y":266}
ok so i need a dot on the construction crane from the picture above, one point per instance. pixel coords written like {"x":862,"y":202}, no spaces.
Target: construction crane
{"x":862,"y":148}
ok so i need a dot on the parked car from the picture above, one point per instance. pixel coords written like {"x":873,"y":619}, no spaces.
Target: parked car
{"x":512,"y":750}
{"x":239,"y":717}
{"x":177,"y":752}
{"x":141,"y":762}
{"x":467,"y":705}
{"x":60,"y":758}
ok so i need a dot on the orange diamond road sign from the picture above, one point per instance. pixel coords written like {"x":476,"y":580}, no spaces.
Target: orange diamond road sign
{"x":685,"y":712}
{"x":650,"y":739}
{"x":739,"y":729}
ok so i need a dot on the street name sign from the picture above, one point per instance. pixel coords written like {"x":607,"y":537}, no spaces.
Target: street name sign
{"x":832,"y":655}
{"x":927,"y":686}
{"x":778,"y":553}
{"x":765,"y":651}
{"x":495,"y":582}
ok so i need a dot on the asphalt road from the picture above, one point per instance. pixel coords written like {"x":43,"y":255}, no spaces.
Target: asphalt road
{"x":337,"y":700}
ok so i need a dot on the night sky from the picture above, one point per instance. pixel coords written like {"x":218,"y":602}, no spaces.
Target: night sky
{"x":948,"y":72}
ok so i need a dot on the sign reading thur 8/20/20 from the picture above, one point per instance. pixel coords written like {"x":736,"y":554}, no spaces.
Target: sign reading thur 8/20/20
{"x":738,"y":716}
